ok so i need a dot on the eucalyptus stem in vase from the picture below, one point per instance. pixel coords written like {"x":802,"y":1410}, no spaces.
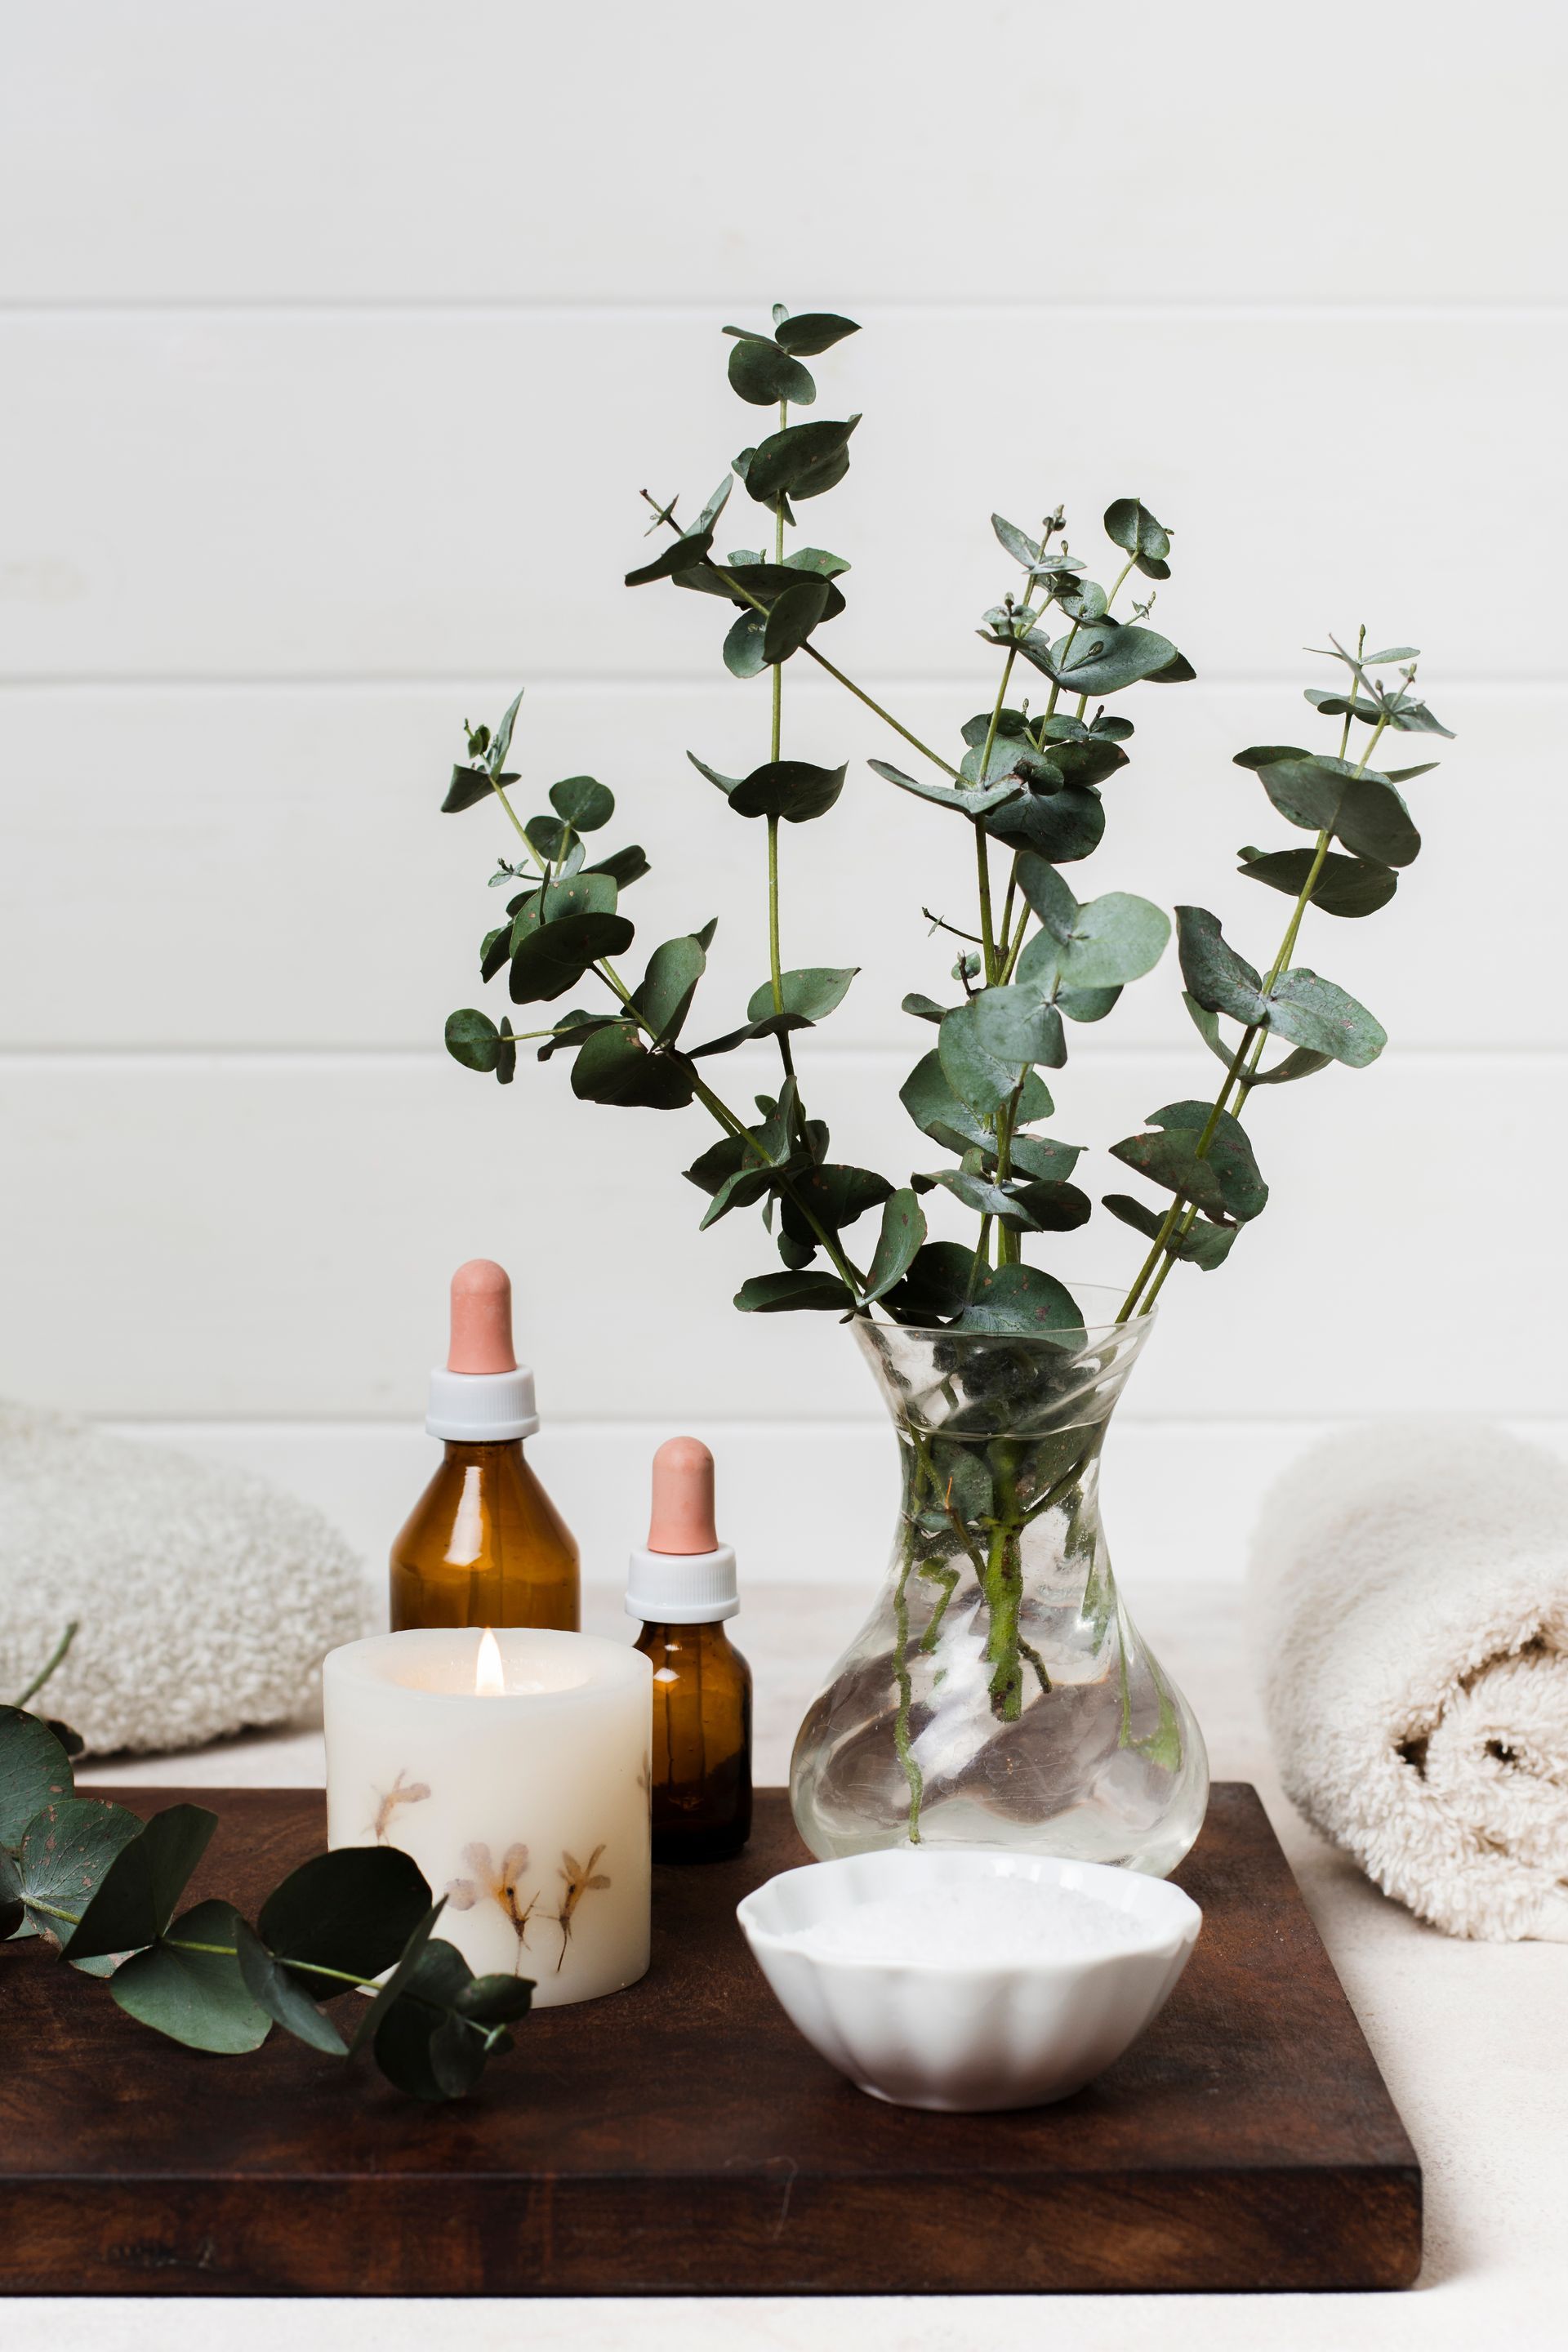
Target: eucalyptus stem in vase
{"x":999,"y":1689}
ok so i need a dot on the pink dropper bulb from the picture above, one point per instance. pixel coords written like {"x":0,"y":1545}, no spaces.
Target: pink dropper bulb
{"x":481,"y":1319}
{"x":682,"y":1519}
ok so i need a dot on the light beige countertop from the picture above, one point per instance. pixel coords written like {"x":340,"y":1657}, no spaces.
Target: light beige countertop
{"x":1472,"y":2038}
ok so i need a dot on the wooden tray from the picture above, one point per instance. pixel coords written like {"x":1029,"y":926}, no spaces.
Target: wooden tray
{"x":680,"y":2138}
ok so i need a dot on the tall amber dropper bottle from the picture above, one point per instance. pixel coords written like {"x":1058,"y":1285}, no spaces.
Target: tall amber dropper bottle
{"x":683,"y":1587}
{"x":484,"y":1544}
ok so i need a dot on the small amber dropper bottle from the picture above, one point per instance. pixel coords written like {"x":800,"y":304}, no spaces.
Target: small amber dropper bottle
{"x":484,"y":1545}
{"x":683,"y":1588}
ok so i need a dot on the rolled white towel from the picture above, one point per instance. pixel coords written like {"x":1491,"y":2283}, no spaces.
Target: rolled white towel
{"x":205,"y":1597}
{"x":1408,"y":1599}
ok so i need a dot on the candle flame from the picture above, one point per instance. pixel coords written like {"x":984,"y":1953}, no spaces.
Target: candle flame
{"x":490,"y":1682}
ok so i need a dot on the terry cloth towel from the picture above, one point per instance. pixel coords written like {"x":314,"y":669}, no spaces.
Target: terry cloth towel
{"x":206,"y":1598}
{"x":1409,"y":1610}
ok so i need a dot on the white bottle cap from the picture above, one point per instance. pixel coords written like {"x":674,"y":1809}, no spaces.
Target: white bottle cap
{"x":683,"y":1575}
{"x":482,"y":1408}
{"x":481,"y":1395}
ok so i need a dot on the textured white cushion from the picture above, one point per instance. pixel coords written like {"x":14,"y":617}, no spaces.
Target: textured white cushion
{"x":206,"y":1598}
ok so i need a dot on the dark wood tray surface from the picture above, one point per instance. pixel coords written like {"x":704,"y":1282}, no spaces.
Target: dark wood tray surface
{"x":680,"y":2138}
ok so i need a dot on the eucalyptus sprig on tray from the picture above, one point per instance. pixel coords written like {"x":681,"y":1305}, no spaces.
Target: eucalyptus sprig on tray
{"x":103,"y":1886}
{"x":1030,"y":783}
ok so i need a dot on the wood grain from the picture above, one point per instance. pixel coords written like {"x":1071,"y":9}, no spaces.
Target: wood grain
{"x":681,"y":2138}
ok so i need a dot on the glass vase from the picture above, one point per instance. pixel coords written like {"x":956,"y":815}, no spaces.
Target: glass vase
{"x":999,"y":1693}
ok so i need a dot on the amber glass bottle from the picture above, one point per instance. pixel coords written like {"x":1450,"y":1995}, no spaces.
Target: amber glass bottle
{"x":682,"y":1586}
{"x":701,"y":1742}
{"x":484,"y":1545}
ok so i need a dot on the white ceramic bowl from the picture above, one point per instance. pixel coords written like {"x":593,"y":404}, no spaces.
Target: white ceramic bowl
{"x":986,"y":2034}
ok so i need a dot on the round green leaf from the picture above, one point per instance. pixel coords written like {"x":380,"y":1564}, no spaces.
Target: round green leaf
{"x":743,"y":654}
{"x":903,"y":1232}
{"x":763,"y":374}
{"x":196,"y":1996}
{"x":292,"y":2001}
{"x":1217,"y":977}
{"x":793,"y":616}
{"x":614,"y":1066}
{"x":1101,"y":658}
{"x":1365,"y":813}
{"x":812,"y":991}
{"x":473,"y":1039}
{"x":813,"y":332}
{"x":1345,"y":886}
{"x":1314,"y":1013}
{"x":797,"y":461}
{"x":1111,"y":940}
{"x":35,"y":1770}
{"x":1130,"y":526}
{"x":664,"y":996}
{"x":936,"y":1285}
{"x":353,"y":1908}
{"x":1021,"y":1298}
{"x":1061,"y":827}
{"x":583,"y":802}
{"x":834,"y":1195}
{"x":781,"y":1294}
{"x":791,"y":789}
{"x":553,"y":959}
{"x":136,"y":1897}
{"x":986,"y":1045}
{"x":64,"y":1856}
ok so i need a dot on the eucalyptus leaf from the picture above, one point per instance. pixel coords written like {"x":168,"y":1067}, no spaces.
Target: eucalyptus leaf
{"x":902,"y":1234}
{"x":468,"y":788}
{"x":923,"y":1008}
{"x":579,"y":894}
{"x":583,"y":802}
{"x":936,"y":1285}
{"x":1101,"y":660}
{"x":836,"y":1195}
{"x":1206,"y":1245}
{"x":1131,"y":526}
{"x":624,"y":866}
{"x":1217,"y":977}
{"x":472,"y":1038}
{"x":770,"y":1024}
{"x":1314,"y":1013}
{"x":139,"y":1892}
{"x":196,"y":1996}
{"x":976,"y":803}
{"x":779,"y":1294}
{"x":555,"y":958}
{"x":744,"y":645}
{"x":351,"y":1909}
{"x":985,"y":1053}
{"x":1364,"y":810}
{"x":1021,"y":1298}
{"x":765,"y":374}
{"x":1061,"y":827}
{"x":664,"y":996}
{"x":793,"y":461}
{"x":813,"y":332}
{"x":1223,"y":1181}
{"x":793,"y":616}
{"x":682,"y":555}
{"x":615,"y":1067}
{"x":1113,"y":941}
{"x":35,"y":1771}
{"x":938,"y":1111}
{"x":1345,"y":886}
{"x":393,"y":1987}
{"x":63,"y":1856}
{"x":792,"y":789}
{"x":1018,"y":544}
{"x":290,"y":2001}
{"x":812,"y":991}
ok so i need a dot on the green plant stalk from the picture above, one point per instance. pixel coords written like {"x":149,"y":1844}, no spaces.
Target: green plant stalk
{"x":56,"y":1661}
{"x":1167,"y":1241}
{"x":758,"y":606}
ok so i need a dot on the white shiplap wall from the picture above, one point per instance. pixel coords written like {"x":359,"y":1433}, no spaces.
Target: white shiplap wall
{"x":336,"y":339}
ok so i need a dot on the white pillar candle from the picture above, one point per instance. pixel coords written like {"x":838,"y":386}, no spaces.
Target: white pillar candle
{"x":514,"y":1768}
